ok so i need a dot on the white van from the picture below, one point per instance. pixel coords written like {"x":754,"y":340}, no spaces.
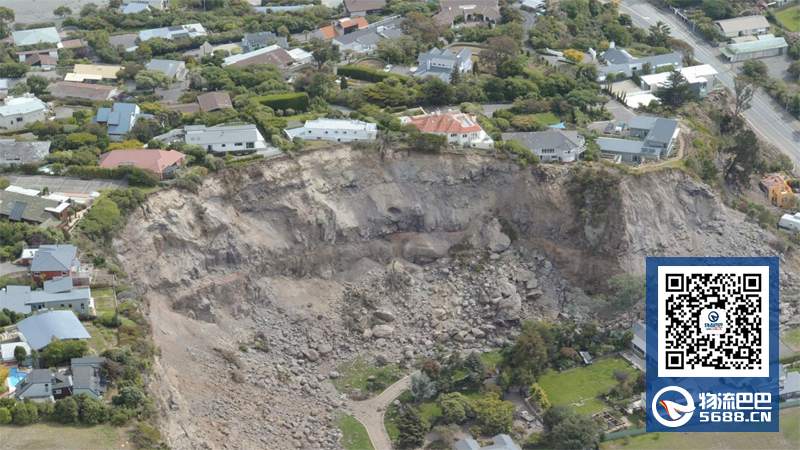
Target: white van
{"x":790,"y":222}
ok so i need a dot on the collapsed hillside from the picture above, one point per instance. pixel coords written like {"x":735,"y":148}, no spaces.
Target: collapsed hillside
{"x":272,"y":255}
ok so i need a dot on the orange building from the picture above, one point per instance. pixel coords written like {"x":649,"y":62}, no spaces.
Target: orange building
{"x":777,"y":188}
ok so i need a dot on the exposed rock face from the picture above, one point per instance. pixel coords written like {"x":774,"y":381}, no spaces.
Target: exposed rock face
{"x":269,"y":252}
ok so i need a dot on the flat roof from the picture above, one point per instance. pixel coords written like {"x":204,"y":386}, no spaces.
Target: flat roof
{"x":755,"y":46}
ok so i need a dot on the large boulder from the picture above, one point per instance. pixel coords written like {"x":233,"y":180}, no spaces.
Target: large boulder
{"x":382,"y":331}
{"x":509,"y":308}
{"x":493,"y":238}
{"x":426,"y":248}
{"x":384,"y":315}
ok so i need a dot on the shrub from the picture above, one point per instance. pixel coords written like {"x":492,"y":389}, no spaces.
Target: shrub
{"x":297,"y":101}
{"x":426,"y":143}
{"x":367,"y":74}
{"x":110,"y":320}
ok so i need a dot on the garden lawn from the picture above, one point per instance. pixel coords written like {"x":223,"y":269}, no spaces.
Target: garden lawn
{"x":103,"y":300}
{"x":787,"y":438}
{"x":792,"y":339}
{"x":63,"y":437}
{"x":493,"y":357}
{"x":547,"y":118}
{"x":355,"y":436}
{"x":582,"y":383}
{"x":390,"y":422}
{"x":354,"y":375}
{"x":371,"y":64}
{"x":591,"y":406}
{"x":102,"y":338}
{"x":790,"y":18}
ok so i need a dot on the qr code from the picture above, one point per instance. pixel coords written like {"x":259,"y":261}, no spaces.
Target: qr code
{"x":713,"y":321}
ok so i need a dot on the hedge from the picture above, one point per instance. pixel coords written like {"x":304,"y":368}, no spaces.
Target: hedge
{"x":138,"y":176}
{"x":367,"y":74}
{"x":242,"y":161}
{"x":297,"y":101}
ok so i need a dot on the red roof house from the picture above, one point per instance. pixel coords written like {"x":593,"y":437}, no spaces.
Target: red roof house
{"x":162,"y":162}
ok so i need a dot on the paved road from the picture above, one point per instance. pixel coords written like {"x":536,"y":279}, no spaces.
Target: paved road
{"x":370,"y":412}
{"x":530,"y":21}
{"x":766,"y":116}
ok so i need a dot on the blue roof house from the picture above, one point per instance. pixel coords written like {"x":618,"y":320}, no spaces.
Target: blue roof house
{"x":40,"y":329}
{"x":120,"y":119}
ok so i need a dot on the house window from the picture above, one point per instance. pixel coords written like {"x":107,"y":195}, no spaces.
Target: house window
{"x":57,"y":391}
{"x":309,"y":131}
{"x":64,"y":273}
{"x":463,"y":135}
{"x":336,"y":132}
{"x":453,"y":134}
{"x":62,"y":305}
{"x":82,"y":305}
{"x":344,"y":132}
{"x":238,"y":144}
{"x":223,"y":145}
{"x":36,"y":274}
{"x":19,"y":119}
{"x":326,"y":132}
{"x":548,"y":151}
{"x":251,"y":145}
{"x":70,"y":305}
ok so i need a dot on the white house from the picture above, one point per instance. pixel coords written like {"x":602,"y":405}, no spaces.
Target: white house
{"x":743,"y":26}
{"x":700,"y":79}
{"x":366,"y":40}
{"x":460,"y":128}
{"x":551,"y":145}
{"x":220,"y":139}
{"x":336,"y":130}
{"x":174,"y":32}
{"x":35,"y":36}
{"x":20,"y":111}
{"x":301,"y":56}
{"x":442,"y":63}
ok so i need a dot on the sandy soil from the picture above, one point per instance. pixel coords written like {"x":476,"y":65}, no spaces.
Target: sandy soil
{"x":33,"y":11}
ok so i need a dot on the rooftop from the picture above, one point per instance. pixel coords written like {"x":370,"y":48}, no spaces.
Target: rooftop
{"x":22,"y":152}
{"x":755,"y":46}
{"x":54,"y":258}
{"x":41,"y":327}
{"x":149,"y":159}
{"x":550,"y":139}
{"x":173,"y":32}
{"x":19,"y":207}
{"x":693,"y":74}
{"x":36,"y":36}
{"x":744,"y":23}
{"x":214,"y":101}
{"x":444,"y":123}
{"x":25,"y":104}
{"x":82,"y":90}
{"x":272,"y":54}
{"x":619,"y":145}
{"x":167,"y":67}
{"x":261,"y":39}
{"x":364,"y":5}
{"x":93,"y":72}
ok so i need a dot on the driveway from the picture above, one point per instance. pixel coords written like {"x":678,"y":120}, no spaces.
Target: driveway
{"x":402,"y":70}
{"x":8,"y":268}
{"x":64,"y":184}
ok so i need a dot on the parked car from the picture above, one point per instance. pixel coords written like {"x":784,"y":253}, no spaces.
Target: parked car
{"x":388,"y":68}
{"x":609,"y":128}
{"x":618,"y":130}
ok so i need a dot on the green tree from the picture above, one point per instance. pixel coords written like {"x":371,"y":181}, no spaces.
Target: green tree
{"x":37,"y":84}
{"x":92,"y":411}
{"x":755,"y":69}
{"x":103,"y":220}
{"x":13,"y":70}
{"x":575,"y":432}
{"x":495,"y":416}
{"x":343,"y":83}
{"x":526,"y":359}
{"x":325,"y":51}
{"x":717,"y":9}
{"x":746,"y":158}
{"x":25,"y":413}
{"x":6,"y":19}
{"x":676,"y":92}
{"x":539,"y":397}
{"x":412,"y":427}
{"x":659,"y":34}
{"x":62,"y":11}
{"x":20,"y":354}
{"x":794,"y":69}
{"x":131,"y":396}
{"x":475,"y":367}
{"x":498,"y":49}
{"x":5,"y":416}
{"x":66,"y":411}
{"x":422,"y":387}
{"x":78,"y":140}
{"x":684,"y":48}
{"x":456,"y":407}
{"x":435,"y":91}
{"x":455,"y":76}
{"x":627,"y":290}
{"x":524,"y":155}
{"x":743,"y":91}
{"x":151,"y":80}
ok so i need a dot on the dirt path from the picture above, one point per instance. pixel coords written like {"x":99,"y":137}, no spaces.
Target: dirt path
{"x":370,"y":412}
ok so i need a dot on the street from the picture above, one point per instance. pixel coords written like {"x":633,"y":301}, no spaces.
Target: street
{"x":766,"y":116}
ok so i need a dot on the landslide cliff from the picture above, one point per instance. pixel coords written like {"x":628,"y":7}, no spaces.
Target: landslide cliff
{"x":271,"y":252}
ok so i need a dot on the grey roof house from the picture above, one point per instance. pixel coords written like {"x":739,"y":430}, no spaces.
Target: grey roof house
{"x":120,"y":118}
{"x":21,"y":152}
{"x":623,"y":65}
{"x":43,"y":212}
{"x":170,"y":68}
{"x":55,"y":258}
{"x":35,"y":36}
{"x":442,"y":63}
{"x":552,"y":145}
{"x":37,"y":386}
{"x":174,"y":32}
{"x":366,"y":40}
{"x":499,"y":442}
{"x":57,"y":293}
{"x":658,"y":137}
{"x":255,"y":41}
{"x":789,"y":383}
{"x":87,"y":380}
{"x":93,"y":361}
{"x":39,"y":329}
{"x":639,"y":342}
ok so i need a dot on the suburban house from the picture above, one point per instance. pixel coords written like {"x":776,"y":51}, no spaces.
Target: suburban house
{"x":777,"y":188}
{"x":124,"y":42}
{"x":533,"y":5}
{"x":47,"y":35}
{"x":272,"y":54}
{"x":7,"y":351}
{"x":639,"y":342}
{"x":336,"y":130}
{"x":37,"y":386}
{"x":19,"y":112}
{"x":743,"y":26}
{"x":39,"y":329}
{"x":40,"y":211}
{"x":163,"y":163}
{"x":788,"y":383}
{"x":172,"y":69}
{"x":700,"y":78}
{"x":460,"y":128}
{"x":356,"y":8}
{"x":623,"y":65}
{"x":85,"y":91}
{"x":301,"y":56}
{"x":57,"y":293}
{"x":220,"y":139}
{"x":442,"y":63}
{"x":185,"y":108}
{"x":765,"y":46}
{"x":255,"y":41}
{"x":86,"y":379}
{"x":120,"y":118}
{"x":551,"y":145}
{"x":47,"y":58}
{"x":214,"y":101}
{"x":133,"y":8}
{"x":470,"y":10}
{"x":499,"y":442}
{"x":341,"y":27}
{"x":92,"y":73}
{"x":52,"y":261}
{"x":658,"y":137}
{"x":22,"y":152}
{"x":154,"y":4}
{"x":174,"y":32}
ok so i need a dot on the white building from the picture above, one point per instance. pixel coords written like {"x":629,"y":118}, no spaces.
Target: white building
{"x":700,"y":79}
{"x":174,"y":32}
{"x":301,"y":56}
{"x":460,"y":128}
{"x":220,"y":139}
{"x":790,"y":222}
{"x":551,"y":145}
{"x":336,"y":130}
{"x":20,"y":111}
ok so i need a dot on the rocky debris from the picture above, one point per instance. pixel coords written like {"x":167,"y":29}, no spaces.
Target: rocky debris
{"x":492,"y":237}
{"x":382,"y":331}
{"x":386,"y":316}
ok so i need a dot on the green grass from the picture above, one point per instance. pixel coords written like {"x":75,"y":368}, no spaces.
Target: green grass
{"x":790,"y":18}
{"x":582,"y":383}
{"x":354,"y":375}
{"x":547,"y":118}
{"x":792,"y":339}
{"x":65,"y":437}
{"x":390,"y":422}
{"x":493,"y":357}
{"x":787,"y":438}
{"x":102,"y":338}
{"x":591,"y":406}
{"x":430,"y":411}
{"x":232,"y":124}
{"x":103,"y":300}
{"x":355,"y":436}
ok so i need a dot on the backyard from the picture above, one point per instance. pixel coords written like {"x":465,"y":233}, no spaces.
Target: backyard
{"x":787,"y":438}
{"x":355,"y":436}
{"x":792,"y":339}
{"x":355,"y":376}
{"x":583,"y":384}
{"x":66,"y":437}
{"x":790,"y":18}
